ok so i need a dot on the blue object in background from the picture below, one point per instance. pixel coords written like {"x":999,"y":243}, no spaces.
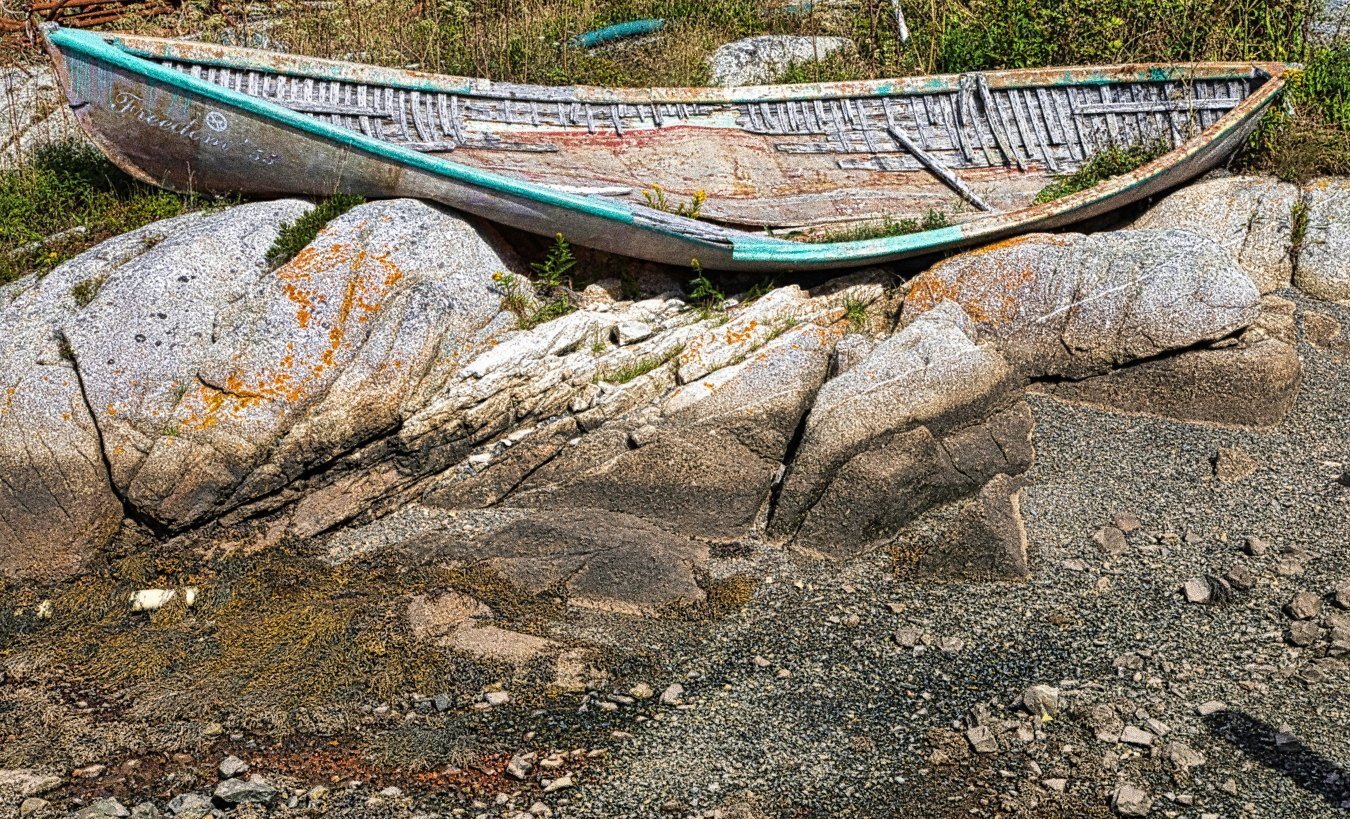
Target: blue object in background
{"x":618,"y":31}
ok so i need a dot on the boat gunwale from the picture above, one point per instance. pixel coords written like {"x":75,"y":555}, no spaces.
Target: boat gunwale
{"x":318,"y":68}
{"x":745,"y":248}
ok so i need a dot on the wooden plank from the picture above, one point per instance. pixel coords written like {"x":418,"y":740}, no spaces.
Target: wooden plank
{"x":998,"y":123}
{"x":939,"y":170}
{"x":1040,"y":130}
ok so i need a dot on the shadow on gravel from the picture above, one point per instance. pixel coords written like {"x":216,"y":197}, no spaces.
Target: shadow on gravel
{"x":1282,"y":753}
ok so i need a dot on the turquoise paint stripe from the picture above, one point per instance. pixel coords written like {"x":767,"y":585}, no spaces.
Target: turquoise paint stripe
{"x":756,"y":249}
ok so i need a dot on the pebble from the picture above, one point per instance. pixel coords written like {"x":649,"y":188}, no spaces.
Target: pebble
{"x":1126,"y":522}
{"x":1197,"y":590}
{"x":1255,"y":546}
{"x":951,"y":645}
{"x":1204,"y":709}
{"x":1056,"y":785}
{"x":1127,"y":800}
{"x":33,"y":804}
{"x":982,"y":740}
{"x":1240,"y":577}
{"x":1111,"y":540}
{"x":232,"y":766}
{"x":564,"y":781}
{"x":521,"y":766}
{"x":239,"y":791}
{"x":1302,"y":633}
{"x":1184,"y":756}
{"x":102,"y":808}
{"x":495,"y":698}
{"x":190,"y":806}
{"x":1041,"y":700}
{"x":1304,"y":606}
{"x":1341,"y":597}
{"x":641,"y":691}
{"x":1136,"y":736}
{"x":442,"y":702}
{"x":89,"y":771}
{"x":908,"y":636}
{"x":673,"y":695}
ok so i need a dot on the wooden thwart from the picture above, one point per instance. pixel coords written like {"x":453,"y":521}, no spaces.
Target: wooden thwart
{"x":938,"y":169}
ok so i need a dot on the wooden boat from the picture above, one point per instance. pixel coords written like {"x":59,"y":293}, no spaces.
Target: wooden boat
{"x":590,"y":163}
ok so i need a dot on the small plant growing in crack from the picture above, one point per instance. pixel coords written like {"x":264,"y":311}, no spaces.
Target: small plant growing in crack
{"x":86,"y":291}
{"x":855,"y":313}
{"x":705,"y":295}
{"x":552,"y":271}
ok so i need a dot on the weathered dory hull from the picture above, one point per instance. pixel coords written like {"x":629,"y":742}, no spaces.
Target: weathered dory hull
{"x":186,"y":133}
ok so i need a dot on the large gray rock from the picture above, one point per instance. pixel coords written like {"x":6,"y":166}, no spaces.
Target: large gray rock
{"x":1238,"y":384}
{"x":1323,"y":269}
{"x":33,"y":112}
{"x":703,"y":465}
{"x":762,"y":60}
{"x":57,"y":503}
{"x":899,"y":432}
{"x":1252,"y":217}
{"x":1070,"y":305}
{"x":219,"y":381}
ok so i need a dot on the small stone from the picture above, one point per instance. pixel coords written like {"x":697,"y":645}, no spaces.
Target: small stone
{"x":442,"y":702}
{"x":1111,"y":540}
{"x":101,"y":809}
{"x":982,"y":740}
{"x":145,"y":810}
{"x":232,"y":766}
{"x":908,"y":636}
{"x":1136,"y":736}
{"x":1056,"y":785}
{"x":239,"y":791}
{"x":1289,"y":567}
{"x":1229,"y":786}
{"x":951,"y":644}
{"x":32,"y":805}
{"x":1304,"y":606}
{"x":1341,"y":597}
{"x":673,"y":695}
{"x":1184,"y":756}
{"x":564,"y":781}
{"x":1286,"y":742}
{"x":631,"y":332}
{"x":1255,"y":546}
{"x":89,"y":771}
{"x":1127,"y":800}
{"x":540,"y":810}
{"x":1240,"y":577}
{"x":1302,"y":633}
{"x":190,"y":806}
{"x":1197,"y":590}
{"x":521,"y":766}
{"x":1233,"y":464}
{"x":495,"y":698}
{"x":1204,"y":709}
{"x":641,"y":691}
{"x":761,"y":662}
{"x":1126,"y":522}
{"x":1041,"y":700}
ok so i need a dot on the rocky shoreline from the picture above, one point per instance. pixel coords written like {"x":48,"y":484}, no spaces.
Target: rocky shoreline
{"x":672,"y":556}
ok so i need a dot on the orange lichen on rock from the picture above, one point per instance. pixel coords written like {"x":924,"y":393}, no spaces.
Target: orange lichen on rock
{"x":991,"y":294}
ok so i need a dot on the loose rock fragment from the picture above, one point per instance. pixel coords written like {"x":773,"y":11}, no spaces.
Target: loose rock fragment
{"x":1341,"y":597}
{"x":1041,"y":700}
{"x":190,"y":806}
{"x":1127,"y":800}
{"x":1304,"y":606}
{"x":673,"y":695}
{"x":1111,"y":540}
{"x":101,"y":809}
{"x":1136,"y":736}
{"x":1204,"y":709}
{"x":232,"y":766}
{"x":521,"y":765}
{"x":1302,"y":633}
{"x":1183,"y":756}
{"x":982,"y":740}
{"x":239,"y":791}
{"x":1255,"y":546}
{"x":1233,"y":464}
{"x":1197,"y":591}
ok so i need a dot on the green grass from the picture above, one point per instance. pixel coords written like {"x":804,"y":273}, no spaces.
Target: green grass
{"x":66,"y":199}
{"x":1103,"y":165}
{"x":932,"y":220}
{"x":296,"y":236}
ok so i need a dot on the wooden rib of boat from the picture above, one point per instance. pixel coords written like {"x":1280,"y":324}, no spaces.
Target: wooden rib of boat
{"x":586,"y":162}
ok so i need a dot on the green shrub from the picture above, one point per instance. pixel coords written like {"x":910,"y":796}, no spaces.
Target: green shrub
{"x":557,"y":264}
{"x":1103,"y":165}
{"x":67,"y":198}
{"x":932,"y":220}
{"x":296,"y":236}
